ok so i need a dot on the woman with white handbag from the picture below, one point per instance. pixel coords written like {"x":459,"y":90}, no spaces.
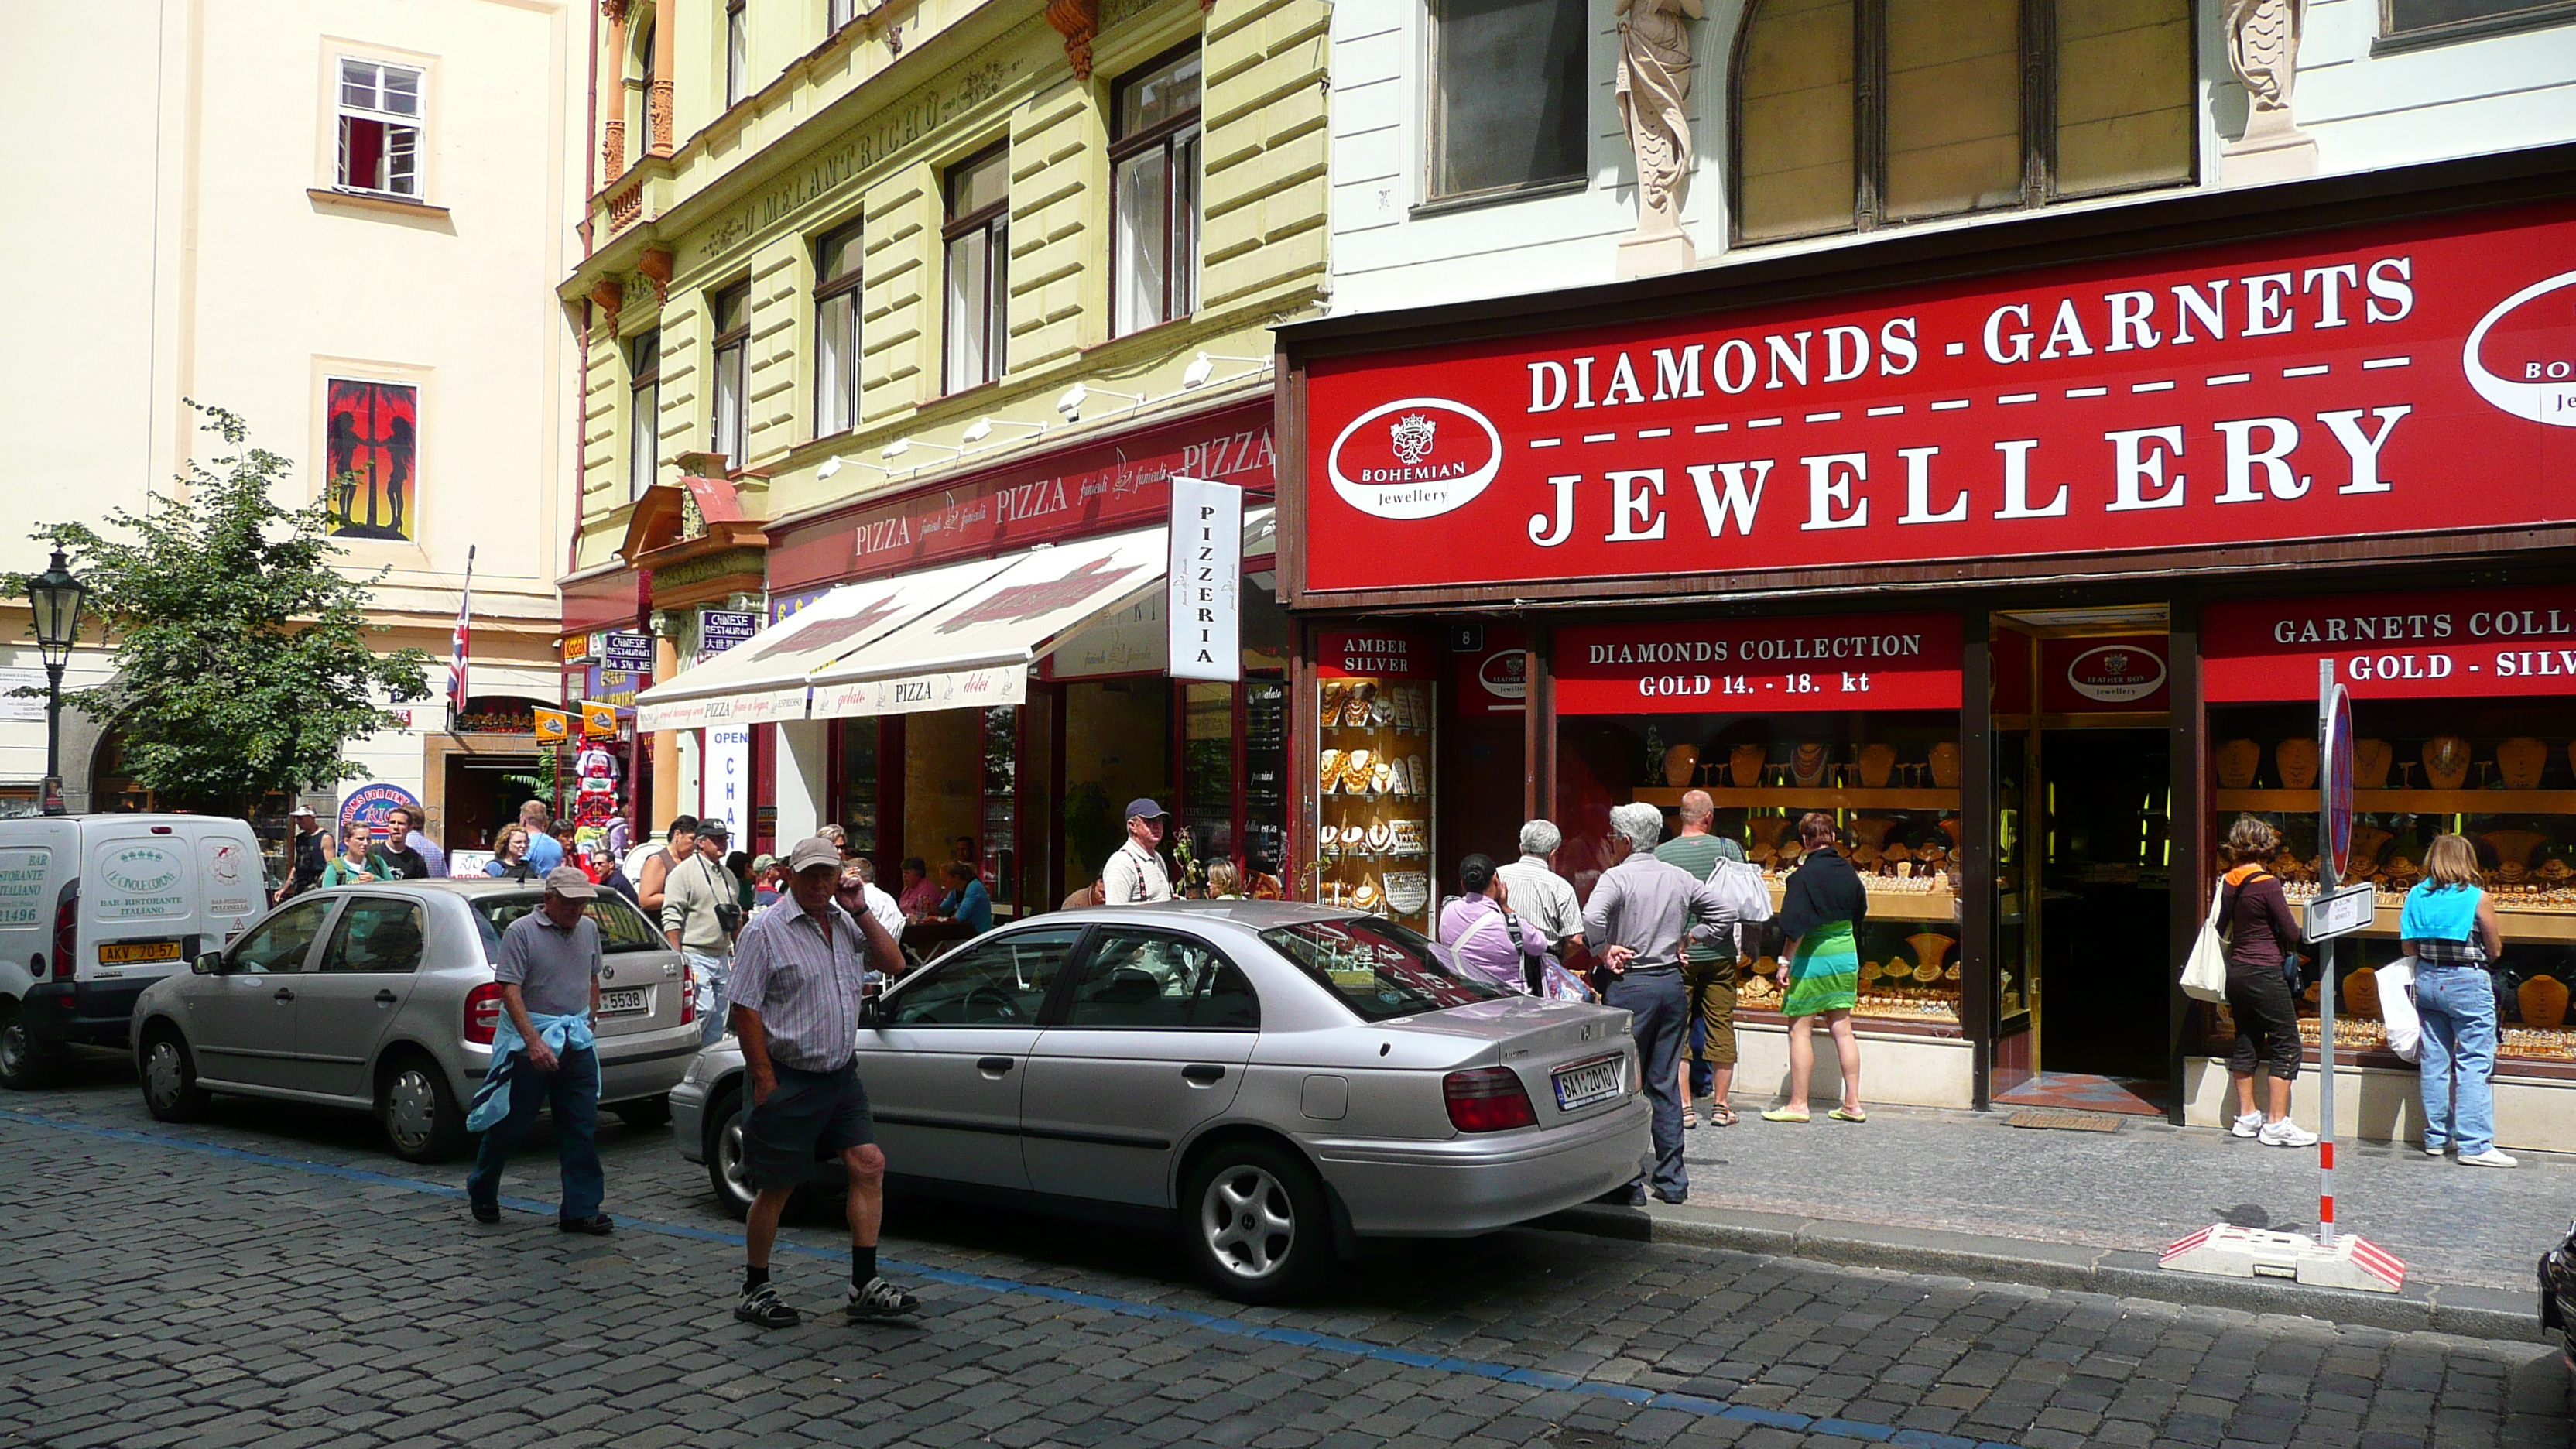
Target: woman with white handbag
{"x":2262,"y":935}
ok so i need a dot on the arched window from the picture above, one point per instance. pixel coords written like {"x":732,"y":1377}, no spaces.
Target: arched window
{"x":1855,"y":114}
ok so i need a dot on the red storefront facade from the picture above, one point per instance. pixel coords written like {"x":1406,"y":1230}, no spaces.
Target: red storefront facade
{"x":2016,"y":550}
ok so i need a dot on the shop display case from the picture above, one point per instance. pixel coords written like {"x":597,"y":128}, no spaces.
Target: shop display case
{"x":2493,"y":771}
{"x":1373,"y":796}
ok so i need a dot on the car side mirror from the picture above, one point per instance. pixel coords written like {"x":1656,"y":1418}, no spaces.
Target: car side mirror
{"x":209,"y":964}
{"x":869,"y":1015}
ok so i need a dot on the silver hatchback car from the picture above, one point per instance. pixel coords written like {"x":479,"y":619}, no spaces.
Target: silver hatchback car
{"x":1275,"y":1079}
{"x":381,"y":997}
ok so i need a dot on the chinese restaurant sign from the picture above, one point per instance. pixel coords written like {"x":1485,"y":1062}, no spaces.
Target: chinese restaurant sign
{"x":1771,"y":666}
{"x":2380,"y":380}
{"x":2486,"y":643}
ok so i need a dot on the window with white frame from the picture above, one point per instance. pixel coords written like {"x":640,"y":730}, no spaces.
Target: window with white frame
{"x":380,"y":123}
{"x":732,"y":308}
{"x":836,"y":332}
{"x":977,"y":238}
{"x":1154,"y":161}
{"x":737,"y":51}
{"x":643,"y":412}
{"x":842,"y":12}
{"x":1507,"y":95}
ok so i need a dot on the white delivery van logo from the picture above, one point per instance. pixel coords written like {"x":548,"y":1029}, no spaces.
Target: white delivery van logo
{"x":22,"y":886}
{"x":142,"y":882}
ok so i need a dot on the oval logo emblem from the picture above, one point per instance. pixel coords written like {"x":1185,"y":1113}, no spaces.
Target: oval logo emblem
{"x":140,"y":871}
{"x":2116,"y":673}
{"x":2527,"y":367}
{"x":1418,"y":458}
{"x":1505,"y":674}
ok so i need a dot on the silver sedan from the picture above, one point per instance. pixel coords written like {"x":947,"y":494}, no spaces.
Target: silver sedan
{"x":1277,"y":1080}
{"x":381,"y":998}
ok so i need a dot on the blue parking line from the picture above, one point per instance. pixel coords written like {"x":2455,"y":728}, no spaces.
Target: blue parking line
{"x":1213,"y":1323}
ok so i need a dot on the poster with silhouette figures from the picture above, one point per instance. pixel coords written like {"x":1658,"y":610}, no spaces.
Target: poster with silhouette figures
{"x":373,"y":478}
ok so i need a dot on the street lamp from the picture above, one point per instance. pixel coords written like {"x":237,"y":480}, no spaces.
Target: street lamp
{"x":57,"y":598}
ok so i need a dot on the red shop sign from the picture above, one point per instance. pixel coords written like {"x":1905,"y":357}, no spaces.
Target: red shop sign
{"x":2377,"y":380}
{"x":1493,"y":680}
{"x":1121,"y":482}
{"x":2097,"y":675}
{"x":1373,"y":654}
{"x":1772,"y":666}
{"x":2485,"y":643}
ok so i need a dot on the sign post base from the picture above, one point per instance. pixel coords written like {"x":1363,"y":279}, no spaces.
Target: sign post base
{"x":2225,"y":1251}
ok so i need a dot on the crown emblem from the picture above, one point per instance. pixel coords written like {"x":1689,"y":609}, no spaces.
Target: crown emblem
{"x":1411,"y":436}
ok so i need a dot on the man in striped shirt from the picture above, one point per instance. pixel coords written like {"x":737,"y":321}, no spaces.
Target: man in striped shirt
{"x":798,"y":978}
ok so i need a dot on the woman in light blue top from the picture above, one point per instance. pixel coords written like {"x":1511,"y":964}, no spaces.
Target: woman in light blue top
{"x":2449,"y":927}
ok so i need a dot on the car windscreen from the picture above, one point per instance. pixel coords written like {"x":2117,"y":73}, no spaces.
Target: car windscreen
{"x":621,"y":929}
{"x":1377,"y":968}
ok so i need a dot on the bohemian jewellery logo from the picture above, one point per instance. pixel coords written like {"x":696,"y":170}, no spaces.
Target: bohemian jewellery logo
{"x":1434,"y":457}
{"x":2540,"y":382}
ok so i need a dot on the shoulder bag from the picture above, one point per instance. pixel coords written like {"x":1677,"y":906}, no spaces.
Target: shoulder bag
{"x":2204,"y":973}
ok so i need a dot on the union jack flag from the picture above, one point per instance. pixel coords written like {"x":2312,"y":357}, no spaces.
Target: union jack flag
{"x":464,"y":642}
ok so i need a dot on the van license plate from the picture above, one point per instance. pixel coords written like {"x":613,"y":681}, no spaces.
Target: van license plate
{"x":124,"y":953}
{"x":1585,"y":1083}
{"x":624,"y":1003}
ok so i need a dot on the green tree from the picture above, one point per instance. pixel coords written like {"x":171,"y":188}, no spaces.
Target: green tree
{"x":242,"y":662}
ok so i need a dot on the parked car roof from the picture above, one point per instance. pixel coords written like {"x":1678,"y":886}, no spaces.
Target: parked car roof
{"x":1248,"y":914}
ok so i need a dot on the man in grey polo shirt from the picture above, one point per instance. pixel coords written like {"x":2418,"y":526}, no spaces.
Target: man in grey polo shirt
{"x":798,"y":979}
{"x":549,"y":970}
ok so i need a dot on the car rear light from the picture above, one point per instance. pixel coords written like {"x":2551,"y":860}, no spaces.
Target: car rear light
{"x":688,"y":1004}
{"x":483,"y":1013}
{"x":1488,"y":1099}
{"x":67,"y":933}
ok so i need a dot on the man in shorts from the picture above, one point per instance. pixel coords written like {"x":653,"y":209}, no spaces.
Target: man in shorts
{"x":798,"y":977}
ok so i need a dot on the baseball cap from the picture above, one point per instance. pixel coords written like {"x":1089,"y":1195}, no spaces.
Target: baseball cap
{"x":1141,"y":808}
{"x":763,"y":861}
{"x":813,"y":851}
{"x":713,"y":830}
{"x":568,"y":881}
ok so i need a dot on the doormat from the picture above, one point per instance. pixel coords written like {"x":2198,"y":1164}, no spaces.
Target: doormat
{"x":2067,"y":1121}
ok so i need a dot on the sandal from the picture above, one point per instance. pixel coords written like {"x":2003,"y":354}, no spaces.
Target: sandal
{"x":1783,"y":1114}
{"x":1848,"y":1114}
{"x":1721,"y":1116}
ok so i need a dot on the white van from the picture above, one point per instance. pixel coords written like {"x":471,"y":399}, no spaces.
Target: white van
{"x":93,"y":908}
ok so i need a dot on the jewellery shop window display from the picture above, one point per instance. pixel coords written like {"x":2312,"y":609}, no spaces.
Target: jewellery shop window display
{"x":1855,"y":718}
{"x":2464,"y":712}
{"x":1374,"y":710}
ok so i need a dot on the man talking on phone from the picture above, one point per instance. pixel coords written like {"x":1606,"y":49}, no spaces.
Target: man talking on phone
{"x":798,"y":977}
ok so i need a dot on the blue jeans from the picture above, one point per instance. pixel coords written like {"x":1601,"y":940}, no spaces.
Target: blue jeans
{"x":2458,"y":1007}
{"x":1660,"y":1012}
{"x":709,"y":977}
{"x":572,"y":1089}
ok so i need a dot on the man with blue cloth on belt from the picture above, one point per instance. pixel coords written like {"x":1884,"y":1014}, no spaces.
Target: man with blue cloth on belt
{"x":543,"y":1053}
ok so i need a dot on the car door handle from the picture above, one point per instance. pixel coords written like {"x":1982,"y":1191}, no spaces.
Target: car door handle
{"x":1203,"y":1076}
{"x":993,"y":1066}
{"x":386,"y":998}
{"x":285,"y":993}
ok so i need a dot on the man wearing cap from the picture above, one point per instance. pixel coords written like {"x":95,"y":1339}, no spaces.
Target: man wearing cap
{"x":542,"y":1053}
{"x":797,"y":984}
{"x":1135,"y":872}
{"x":701,"y":909}
{"x":308,"y":853}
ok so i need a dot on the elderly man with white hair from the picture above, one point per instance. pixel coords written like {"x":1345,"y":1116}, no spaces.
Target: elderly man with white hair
{"x":1540,"y":896}
{"x":1640,"y":912}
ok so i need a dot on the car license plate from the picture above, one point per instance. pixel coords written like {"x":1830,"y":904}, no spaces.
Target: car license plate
{"x":121,"y":953}
{"x":622,"y":1003}
{"x":1585,"y":1083}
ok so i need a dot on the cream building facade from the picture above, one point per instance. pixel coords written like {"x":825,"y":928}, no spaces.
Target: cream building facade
{"x":341,"y":221}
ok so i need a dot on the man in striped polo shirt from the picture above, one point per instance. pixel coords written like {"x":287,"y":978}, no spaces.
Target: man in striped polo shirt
{"x":798,"y":978}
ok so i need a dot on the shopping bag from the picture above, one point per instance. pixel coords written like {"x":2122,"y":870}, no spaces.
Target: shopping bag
{"x":1559,"y":984}
{"x":2397,"y":1007}
{"x":2204,"y":974}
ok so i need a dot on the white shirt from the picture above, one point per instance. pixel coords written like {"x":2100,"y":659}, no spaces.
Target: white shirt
{"x":884,"y":908}
{"x":1541,"y":897}
{"x":1134,"y":874}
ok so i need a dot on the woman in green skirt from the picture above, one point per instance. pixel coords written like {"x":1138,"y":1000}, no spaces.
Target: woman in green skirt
{"x":1820,"y":966}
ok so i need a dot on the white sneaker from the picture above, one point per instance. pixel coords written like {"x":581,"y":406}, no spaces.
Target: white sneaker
{"x":2488,"y":1158}
{"x":2286,"y":1133}
{"x":2247,"y":1125}
{"x":2433,"y":1149}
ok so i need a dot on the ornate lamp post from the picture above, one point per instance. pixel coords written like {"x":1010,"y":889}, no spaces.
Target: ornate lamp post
{"x":57,"y":598}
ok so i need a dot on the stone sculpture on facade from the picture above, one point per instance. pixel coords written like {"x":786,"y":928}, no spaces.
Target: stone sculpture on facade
{"x":1654,"y":88}
{"x":2263,"y":49}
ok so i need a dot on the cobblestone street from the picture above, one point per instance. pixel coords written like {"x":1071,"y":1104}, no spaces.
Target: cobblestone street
{"x":273,"y":1277}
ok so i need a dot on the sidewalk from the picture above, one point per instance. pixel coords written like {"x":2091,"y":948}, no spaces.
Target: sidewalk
{"x":1962,"y":1193}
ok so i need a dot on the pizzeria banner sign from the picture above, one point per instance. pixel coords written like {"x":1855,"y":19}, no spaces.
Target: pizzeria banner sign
{"x":1771,"y":666}
{"x":2388,"y":379}
{"x":2444,"y":644}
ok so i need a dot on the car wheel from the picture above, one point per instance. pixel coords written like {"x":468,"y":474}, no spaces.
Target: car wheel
{"x":728,"y":1173}
{"x":25,"y":1063}
{"x":170,"y":1090}
{"x":1256,"y":1223}
{"x":644,"y":1112}
{"x":419,"y":1111}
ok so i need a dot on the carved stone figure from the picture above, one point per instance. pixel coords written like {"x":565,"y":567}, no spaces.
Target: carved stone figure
{"x":1653,"y":87}
{"x":2263,"y":49}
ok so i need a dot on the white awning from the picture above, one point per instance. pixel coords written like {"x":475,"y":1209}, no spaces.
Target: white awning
{"x":765,"y":676}
{"x":974,"y":651}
